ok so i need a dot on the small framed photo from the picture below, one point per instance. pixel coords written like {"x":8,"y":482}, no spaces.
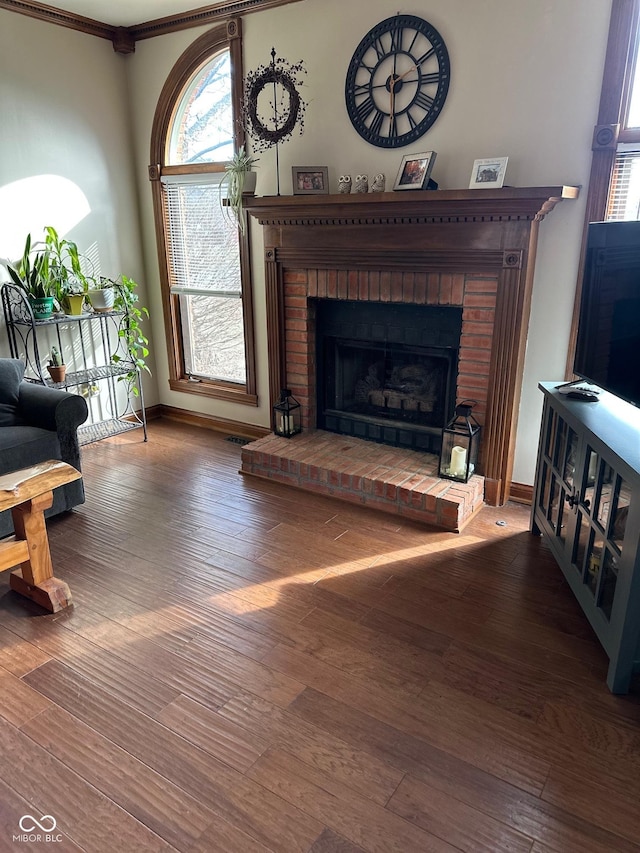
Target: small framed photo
{"x":488,"y":173}
{"x":308,"y":180}
{"x":414,"y":171}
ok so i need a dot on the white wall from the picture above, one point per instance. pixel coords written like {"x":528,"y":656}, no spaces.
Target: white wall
{"x":65,"y":131}
{"x":525,"y":83}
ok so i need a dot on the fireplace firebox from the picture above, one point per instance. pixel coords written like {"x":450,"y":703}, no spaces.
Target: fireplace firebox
{"x":387,"y":373}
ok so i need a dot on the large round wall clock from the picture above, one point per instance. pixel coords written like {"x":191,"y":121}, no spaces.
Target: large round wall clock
{"x":397,"y":81}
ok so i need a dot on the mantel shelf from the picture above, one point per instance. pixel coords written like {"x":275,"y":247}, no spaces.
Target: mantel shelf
{"x":508,"y":203}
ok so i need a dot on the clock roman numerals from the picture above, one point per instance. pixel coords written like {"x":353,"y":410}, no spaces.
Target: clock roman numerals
{"x":364,"y":110}
{"x":423,"y":100}
{"x":379,"y":49}
{"x":433,"y":77}
{"x":396,"y":39}
{"x":376,"y":125}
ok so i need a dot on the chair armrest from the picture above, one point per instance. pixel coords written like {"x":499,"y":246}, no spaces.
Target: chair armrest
{"x":50,"y":408}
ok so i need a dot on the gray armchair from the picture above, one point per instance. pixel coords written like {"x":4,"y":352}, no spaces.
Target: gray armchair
{"x":38,"y":423}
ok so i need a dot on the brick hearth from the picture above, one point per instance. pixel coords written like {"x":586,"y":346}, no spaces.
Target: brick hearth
{"x":404,"y":482}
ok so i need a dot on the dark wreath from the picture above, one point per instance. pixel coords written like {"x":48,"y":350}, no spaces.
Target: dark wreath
{"x":271,"y":75}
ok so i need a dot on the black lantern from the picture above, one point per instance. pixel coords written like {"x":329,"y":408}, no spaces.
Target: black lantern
{"x":460,"y":444}
{"x":286,"y":415}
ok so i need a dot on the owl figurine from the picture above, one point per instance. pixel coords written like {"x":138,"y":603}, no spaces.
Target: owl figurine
{"x":361,"y":184}
{"x":344,"y":184}
{"x":378,"y":184}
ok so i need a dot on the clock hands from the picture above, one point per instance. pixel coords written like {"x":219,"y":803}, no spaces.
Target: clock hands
{"x":393,"y":79}
{"x":408,"y":71}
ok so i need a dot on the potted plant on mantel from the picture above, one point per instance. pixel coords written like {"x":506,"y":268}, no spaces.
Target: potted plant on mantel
{"x":238,"y":180}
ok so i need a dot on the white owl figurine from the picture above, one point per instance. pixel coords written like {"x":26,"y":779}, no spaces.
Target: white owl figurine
{"x":361,"y":184}
{"x":378,"y":184}
{"x":344,"y":184}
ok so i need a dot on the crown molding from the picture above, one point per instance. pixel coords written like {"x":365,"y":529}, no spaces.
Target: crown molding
{"x":124,"y":38}
{"x":52,"y":15}
{"x":202,"y":16}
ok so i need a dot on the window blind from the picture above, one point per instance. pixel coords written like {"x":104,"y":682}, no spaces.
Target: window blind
{"x":624,"y":193}
{"x":202,"y":239}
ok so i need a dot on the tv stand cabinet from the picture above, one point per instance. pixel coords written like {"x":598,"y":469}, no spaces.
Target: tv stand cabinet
{"x":587,"y":507}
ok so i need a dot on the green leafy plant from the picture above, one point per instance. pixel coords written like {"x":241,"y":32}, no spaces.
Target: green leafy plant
{"x":65,"y":265}
{"x":32,"y":275}
{"x":130,"y":332}
{"x":54,"y":270}
{"x":234,"y":182}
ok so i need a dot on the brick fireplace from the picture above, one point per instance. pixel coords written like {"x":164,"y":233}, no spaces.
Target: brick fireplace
{"x":472,"y":251}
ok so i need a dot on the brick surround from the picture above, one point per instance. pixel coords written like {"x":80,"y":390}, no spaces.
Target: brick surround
{"x":474,"y":293}
{"x":471,"y":249}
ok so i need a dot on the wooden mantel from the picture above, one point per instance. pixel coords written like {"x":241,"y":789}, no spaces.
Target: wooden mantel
{"x":507,"y":203}
{"x":468,"y":232}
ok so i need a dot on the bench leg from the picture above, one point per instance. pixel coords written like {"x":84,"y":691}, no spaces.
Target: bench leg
{"x":34,"y":579}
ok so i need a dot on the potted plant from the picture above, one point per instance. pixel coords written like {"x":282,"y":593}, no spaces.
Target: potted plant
{"x":65,"y":269}
{"x":238,"y":179}
{"x":73,"y":298}
{"x":33,"y":276}
{"x":102,"y":295}
{"x":57,"y":369}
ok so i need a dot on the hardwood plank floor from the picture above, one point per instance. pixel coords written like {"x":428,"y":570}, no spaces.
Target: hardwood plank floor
{"x":252,"y":669}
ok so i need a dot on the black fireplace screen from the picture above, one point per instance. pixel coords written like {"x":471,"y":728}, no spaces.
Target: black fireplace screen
{"x":387,"y":372}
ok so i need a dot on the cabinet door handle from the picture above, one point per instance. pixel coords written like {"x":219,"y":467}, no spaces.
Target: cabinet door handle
{"x":572,"y":500}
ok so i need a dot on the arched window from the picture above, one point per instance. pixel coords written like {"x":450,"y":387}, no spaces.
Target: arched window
{"x":204,"y":258}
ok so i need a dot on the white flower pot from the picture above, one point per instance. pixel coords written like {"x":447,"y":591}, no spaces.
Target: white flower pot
{"x":102,"y":300}
{"x":249,"y":185}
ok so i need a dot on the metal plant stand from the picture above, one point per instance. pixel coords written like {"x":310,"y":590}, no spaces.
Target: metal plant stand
{"x":87,"y":342}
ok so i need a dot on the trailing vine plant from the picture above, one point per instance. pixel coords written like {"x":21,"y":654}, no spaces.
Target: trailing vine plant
{"x":130,"y":331}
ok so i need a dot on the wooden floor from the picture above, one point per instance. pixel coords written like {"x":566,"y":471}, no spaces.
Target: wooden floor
{"x":249,"y":668}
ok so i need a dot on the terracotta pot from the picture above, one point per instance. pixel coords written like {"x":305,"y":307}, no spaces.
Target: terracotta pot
{"x":57,"y":373}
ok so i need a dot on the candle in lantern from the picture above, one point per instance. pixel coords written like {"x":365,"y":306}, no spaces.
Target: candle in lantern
{"x":285,"y":424}
{"x":458,"y":461}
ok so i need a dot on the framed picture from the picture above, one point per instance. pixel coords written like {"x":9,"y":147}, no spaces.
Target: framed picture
{"x":488,"y":174}
{"x":414,"y":171}
{"x":308,"y":180}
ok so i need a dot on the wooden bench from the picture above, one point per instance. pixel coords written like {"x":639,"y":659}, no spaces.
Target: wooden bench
{"x":28,"y":493}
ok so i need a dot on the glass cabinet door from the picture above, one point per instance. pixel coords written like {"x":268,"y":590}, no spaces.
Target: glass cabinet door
{"x":599,"y":531}
{"x":559,"y":473}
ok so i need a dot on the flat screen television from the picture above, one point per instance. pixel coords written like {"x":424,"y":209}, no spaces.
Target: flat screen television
{"x":608,"y":342}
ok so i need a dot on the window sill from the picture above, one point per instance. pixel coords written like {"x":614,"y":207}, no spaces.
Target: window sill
{"x":219,"y":392}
